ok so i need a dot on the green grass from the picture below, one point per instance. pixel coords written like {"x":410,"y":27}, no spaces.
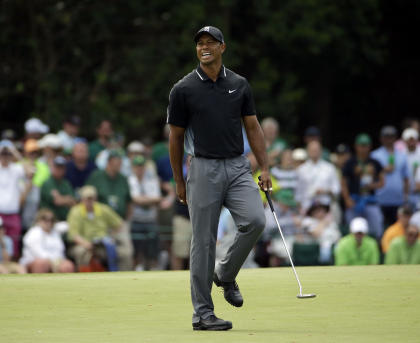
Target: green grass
{"x":354,"y":304}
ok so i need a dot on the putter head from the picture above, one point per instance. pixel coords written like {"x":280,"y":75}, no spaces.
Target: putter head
{"x":306,"y":296}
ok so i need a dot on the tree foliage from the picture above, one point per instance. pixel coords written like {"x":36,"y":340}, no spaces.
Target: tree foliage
{"x":119,"y":59}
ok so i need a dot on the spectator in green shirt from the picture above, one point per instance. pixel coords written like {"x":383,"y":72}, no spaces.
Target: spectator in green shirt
{"x":405,"y":249}
{"x":111,"y":185}
{"x":56,"y":192}
{"x":104,"y":133}
{"x":357,"y":248}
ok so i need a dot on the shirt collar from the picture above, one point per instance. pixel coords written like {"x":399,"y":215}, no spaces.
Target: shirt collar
{"x":203,"y":76}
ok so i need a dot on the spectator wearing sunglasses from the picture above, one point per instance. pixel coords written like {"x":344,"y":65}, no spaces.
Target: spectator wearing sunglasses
{"x":43,"y":247}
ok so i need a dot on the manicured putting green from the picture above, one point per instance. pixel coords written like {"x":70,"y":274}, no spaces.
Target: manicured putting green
{"x":353,"y":304}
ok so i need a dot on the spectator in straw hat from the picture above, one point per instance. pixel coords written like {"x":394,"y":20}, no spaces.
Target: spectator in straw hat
{"x":90,"y":222}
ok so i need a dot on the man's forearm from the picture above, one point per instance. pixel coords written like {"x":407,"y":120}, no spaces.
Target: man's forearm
{"x":256,"y":141}
{"x":176,"y":154}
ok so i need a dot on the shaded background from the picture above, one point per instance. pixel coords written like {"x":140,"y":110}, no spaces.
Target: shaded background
{"x":346,"y":66}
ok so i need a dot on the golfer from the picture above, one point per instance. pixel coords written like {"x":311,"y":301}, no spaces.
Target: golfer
{"x":206,"y":111}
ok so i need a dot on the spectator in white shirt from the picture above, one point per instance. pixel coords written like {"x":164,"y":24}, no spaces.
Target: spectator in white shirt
{"x":12,"y":177}
{"x":43,"y":247}
{"x":316,"y":177}
{"x":68,"y":135}
{"x":146,"y":196}
{"x":410,"y":137}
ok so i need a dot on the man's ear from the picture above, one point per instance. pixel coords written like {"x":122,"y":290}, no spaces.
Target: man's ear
{"x":223,"y":47}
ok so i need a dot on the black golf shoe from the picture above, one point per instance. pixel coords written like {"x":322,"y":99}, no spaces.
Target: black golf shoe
{"x":231,"y":291}
{"x":212,"y":323}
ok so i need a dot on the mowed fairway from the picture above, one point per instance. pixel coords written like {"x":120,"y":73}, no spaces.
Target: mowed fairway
{"x":354,"y":304}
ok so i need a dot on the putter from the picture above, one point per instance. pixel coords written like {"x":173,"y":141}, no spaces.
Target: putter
{"x":300,"y":295}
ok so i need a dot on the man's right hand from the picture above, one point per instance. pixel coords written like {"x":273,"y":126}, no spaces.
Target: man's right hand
{"x":181,"y":192}
{"x":349,"y":202}
{"x":87,"y":245}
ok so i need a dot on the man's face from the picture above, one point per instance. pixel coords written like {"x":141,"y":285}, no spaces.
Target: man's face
{"x":270,"y":131}
{"x":362,"y":149}
{"x":80,"y":152}
{"x":5,"y":156}
{"x":114,"y":164}
{"x":58,"y":171}
{"x":105,"y":129}
{"x":209,"y":50}
{"x":388,"y":141}
{"x":88,"y":202}
{"x":71,"y":129}
{"x":411,"y":143}
{"x":359,"y":237}
{"x":139,"y":170}
{"x":314,"y":150}
{"x":404,"y":219}
{"x":412,"y":234}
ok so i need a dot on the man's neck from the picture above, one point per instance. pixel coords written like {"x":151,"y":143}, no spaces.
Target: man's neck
{"x":212,"y":70}
{"x":362,"y":157}
{"x":80,"y":164}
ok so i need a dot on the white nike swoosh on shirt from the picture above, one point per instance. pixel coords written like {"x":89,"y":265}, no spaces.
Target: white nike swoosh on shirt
{"x":231,"y":91}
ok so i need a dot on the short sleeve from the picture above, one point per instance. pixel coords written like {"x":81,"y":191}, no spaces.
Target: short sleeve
{"x":348,"y":169}
{"x":177,"y":110}
{"x":404,"y":170}
{"x":133,"y":184}
{"x":417,"y":176}
{"x":248,"y":105}
{"x":378,"y":166}
{"x":112,"y":217}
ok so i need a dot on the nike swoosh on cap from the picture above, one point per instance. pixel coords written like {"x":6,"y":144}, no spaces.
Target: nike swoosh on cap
{"x":231,"y":91}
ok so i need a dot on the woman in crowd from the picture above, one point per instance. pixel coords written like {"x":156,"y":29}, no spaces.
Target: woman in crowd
{"x":43,"y":247}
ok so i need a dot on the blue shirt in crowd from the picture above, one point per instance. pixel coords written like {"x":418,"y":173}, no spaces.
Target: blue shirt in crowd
{"x":392,"y":193}
{"x":77,"y":177}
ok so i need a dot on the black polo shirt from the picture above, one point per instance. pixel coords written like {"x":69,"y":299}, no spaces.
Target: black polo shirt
{"x":211,"y":112}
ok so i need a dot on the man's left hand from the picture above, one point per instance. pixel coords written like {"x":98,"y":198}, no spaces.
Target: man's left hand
{"x":265,"y":182}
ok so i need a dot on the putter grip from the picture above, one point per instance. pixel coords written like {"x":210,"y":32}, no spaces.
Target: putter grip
{"x":267,"y":195}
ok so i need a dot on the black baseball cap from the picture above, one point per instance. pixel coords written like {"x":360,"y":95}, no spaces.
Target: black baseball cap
{"x":389,"y":131}
{"x":74,"y":120}
{"x":60,"y":161}
{"x":312,"y":131}
{"x":212,"y":31}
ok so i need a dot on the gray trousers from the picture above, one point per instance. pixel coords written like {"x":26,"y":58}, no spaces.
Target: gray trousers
{"x":211,"y":184}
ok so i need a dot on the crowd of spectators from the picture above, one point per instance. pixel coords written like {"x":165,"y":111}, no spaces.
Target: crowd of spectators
{"x":69,"y":205}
